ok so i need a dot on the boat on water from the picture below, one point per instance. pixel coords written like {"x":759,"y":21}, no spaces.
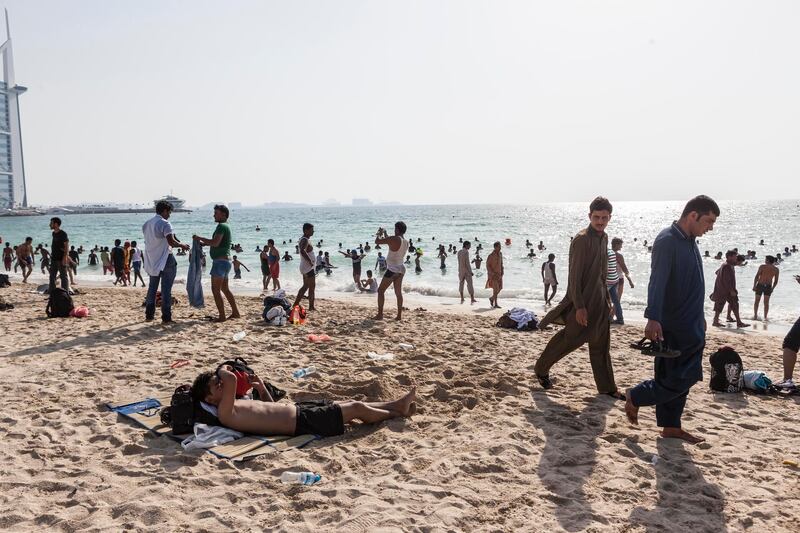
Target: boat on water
{"x":177,"y":203}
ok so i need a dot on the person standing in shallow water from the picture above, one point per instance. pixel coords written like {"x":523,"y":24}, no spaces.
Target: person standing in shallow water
{"x":494,"y":274}
{"x":585,"y":310}
{"x":676,"y":317}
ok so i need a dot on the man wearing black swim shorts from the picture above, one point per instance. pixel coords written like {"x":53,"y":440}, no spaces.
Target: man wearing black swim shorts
{"x":322,"y":417}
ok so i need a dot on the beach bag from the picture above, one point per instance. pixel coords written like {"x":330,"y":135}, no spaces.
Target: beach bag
{"x":727,"y":372}
{"x":4,"y":281}
{"x":242,"y":370}
{"x":275,"y":316}
{"x":506,"y":321}
{"x":757,"y":381}
{"x":182,"y":412}
{"x":298,"y":315}
{"x":272,"y":301}
{"x":59,"y":305}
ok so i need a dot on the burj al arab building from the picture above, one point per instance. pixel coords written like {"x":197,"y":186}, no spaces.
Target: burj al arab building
{"x":13,"y":192}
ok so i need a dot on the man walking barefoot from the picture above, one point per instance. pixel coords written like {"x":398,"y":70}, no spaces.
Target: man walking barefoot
{"x":675,"y":317}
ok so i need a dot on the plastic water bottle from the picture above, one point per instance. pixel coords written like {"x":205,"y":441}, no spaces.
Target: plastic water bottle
{"x":380,"y":356}
{"x":406,"y":346}
{"x":303,"y":372}
{"x":239,"y":336}
{"x":300,"y":478}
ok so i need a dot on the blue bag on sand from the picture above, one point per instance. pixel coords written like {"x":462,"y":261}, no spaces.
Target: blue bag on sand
{"x":756,"y":380}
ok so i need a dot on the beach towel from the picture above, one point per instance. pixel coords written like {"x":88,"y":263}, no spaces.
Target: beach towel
{"x":194,"y":288}
{"x":144,"y":413}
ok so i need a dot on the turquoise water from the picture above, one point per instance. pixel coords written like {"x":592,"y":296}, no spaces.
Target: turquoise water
{"x":742,"y":224}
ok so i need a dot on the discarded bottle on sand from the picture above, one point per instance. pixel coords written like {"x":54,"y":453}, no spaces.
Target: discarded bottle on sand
{"x":239,"y":336}
{"x":300,"y":478}
{"x":303,"y":372}
{"x":380,"y":356}
{"x":406,"y":346}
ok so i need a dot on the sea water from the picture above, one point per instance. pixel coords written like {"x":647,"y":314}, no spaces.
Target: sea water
{"x":742,"y":224}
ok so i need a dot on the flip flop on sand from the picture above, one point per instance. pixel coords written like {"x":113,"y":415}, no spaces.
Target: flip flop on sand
{"x":318,"y":338}
{"x":655,"y":349}
{"x":177,"y":363}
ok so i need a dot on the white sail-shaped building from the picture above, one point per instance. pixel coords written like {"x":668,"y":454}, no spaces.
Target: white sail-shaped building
{"x":13,"y":193}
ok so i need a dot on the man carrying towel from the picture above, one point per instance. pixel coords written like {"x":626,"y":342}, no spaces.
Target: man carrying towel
{"x":159,"y":263}
{"x":675,"y":316}
{"x":586,"y":307}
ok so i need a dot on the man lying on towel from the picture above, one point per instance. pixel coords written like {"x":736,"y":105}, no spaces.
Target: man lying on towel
{"x":265,"y":417}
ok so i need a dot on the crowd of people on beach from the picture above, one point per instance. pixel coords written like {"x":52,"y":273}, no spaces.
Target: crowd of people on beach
{"x":676,"y":323}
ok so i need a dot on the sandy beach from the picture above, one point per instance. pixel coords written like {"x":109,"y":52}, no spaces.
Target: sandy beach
{"x":486,"y":451}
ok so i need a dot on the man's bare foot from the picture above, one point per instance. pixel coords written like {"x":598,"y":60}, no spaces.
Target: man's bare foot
{"x":462,"y":300}
{"x":716,"y":324}
{"x":377,"y":317}
{"x":678,"y":433}
{"x":474,"y":301}
{"x":742,"y":325}
{"x":398,"y":318}
{"x":631,"y":411}
{"x":234,"y":315}
{"x":404,"y":404}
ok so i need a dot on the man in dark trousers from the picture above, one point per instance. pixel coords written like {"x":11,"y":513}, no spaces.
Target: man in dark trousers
{"x":585,"y":309}
{"x":59,"y":258}
{"x":675,"y":317}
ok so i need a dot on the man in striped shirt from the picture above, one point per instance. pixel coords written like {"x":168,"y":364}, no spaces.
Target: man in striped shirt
{"x":612,"y":281}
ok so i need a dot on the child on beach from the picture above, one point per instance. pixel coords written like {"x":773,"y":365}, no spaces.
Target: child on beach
{"x":237,"y":268}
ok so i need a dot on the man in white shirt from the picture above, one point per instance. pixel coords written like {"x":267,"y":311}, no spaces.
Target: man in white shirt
{"x":465,"y":273}
{"x":159,"y":263}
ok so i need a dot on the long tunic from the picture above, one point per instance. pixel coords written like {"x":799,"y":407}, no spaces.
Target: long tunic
{"x":725,"y":284}
{"x":675,"y":298}
{"x":586,"y":286}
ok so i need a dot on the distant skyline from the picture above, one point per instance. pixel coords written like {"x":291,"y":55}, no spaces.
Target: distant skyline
{"x":444,"y":102}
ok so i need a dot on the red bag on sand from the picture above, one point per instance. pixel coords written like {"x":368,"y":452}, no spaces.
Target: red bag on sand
{"x":79,"y":312}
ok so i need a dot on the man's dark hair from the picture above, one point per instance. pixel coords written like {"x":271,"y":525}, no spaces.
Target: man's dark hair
{"x":28,"y":239}
{"x":615,"y":241}
{"x":467,"y":244}
{"x":72,"y":247}
{"x":400,"y":227}
{"x":702,"y":205}
{"x":369,"y":272}
{"x":271,"y":242}
{"x":133,"y":243}
{"x":551,"y":257}
{"x":200,"y":388}
{"x":600,"y":203}
{"x":222,"y":208}
{"x":56,"y":220}
{"x":496,"y":244}
{"x":729,"y":253}
{"x":117,"y":242}
{"x":770,"y":259}
{"x":163,"y":205}
{"x":307,"y":226}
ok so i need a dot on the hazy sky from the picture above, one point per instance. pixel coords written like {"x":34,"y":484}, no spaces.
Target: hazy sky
{"x":419,"y":102}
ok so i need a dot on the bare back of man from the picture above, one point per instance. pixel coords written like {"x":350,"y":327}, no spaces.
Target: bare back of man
{"x":765,"y":281}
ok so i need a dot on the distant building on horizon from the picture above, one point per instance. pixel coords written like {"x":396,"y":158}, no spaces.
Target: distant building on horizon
{"x":13,"y":191}
{"x":362,"y":201}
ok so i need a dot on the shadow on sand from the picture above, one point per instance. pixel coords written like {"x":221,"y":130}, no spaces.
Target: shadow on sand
{"x":570,"y":455}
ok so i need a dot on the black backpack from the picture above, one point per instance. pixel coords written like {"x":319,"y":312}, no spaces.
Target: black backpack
{"x":727,"y":373}
{"x":183,"y":412}
{"x":59,"y":305}
{"x":4,"y":281}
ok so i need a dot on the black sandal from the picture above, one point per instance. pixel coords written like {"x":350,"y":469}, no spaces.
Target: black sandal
{"x":656,"y":349}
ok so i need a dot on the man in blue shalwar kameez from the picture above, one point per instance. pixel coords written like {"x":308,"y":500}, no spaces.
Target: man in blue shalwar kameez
{"x":675,"y":316}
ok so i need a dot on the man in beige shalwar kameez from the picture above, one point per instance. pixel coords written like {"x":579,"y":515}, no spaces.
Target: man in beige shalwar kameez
{"x":584,"y":311}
